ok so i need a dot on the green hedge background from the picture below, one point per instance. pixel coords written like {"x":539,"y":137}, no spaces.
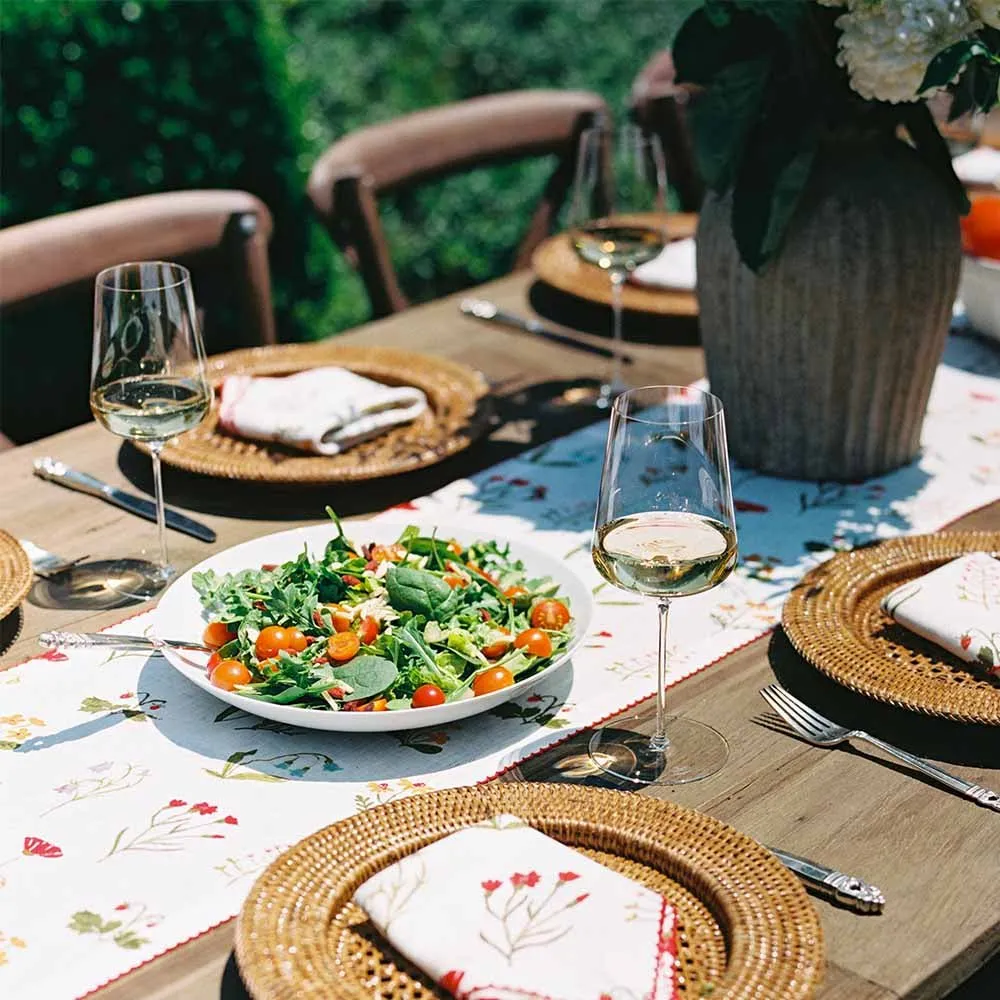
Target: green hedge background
{"x":107,"y":99}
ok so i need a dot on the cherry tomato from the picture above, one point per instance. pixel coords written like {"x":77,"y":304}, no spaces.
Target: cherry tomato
{"x":342,"y":646}
{"x":981,"y":228}
{"x":229,"y":674}
{"x":496,"y":649}
{"x":426,"y":696}
{"x":535,"y":641}
{"x":454,"y":548}
{"x":367,"y":631}
{"x":297,"y":640}
{"x":351,"y":580}
{"x":213,"y":661}
{"x":513,"y":593}
{"x":388,"y":553}
{"x":341,"y":618}
{"x":454,"y":580}
{"x":270,"y":642}
{"x":550,"y":614}
{"x":494,"y":679}
{"x":217,"y":634}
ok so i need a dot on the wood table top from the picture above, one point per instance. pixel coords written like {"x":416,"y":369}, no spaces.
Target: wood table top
{"x":934,"y":854}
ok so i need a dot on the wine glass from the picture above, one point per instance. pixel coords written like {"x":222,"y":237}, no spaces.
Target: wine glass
{"x":147,"y":380}
{"x":617,"y":217}
{"x":665,"y":529}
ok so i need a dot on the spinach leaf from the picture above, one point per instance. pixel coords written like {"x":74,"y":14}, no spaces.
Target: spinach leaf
{"x":421,"y":592}
{"x":366,"y":675}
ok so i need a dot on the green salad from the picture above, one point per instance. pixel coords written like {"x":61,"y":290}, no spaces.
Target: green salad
{"x":416,"y":623}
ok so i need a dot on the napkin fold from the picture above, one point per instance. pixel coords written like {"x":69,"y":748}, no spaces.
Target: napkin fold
{"x":956,"y":606}
{"x":322,"y":410}
{"x":673,"y":267}
{"x":499,"y":911}
{"x":978,"y":167}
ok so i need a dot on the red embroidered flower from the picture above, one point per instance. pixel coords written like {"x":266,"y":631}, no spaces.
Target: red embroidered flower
{"x":153,"y":708}
{"x":216,"y":836}
{"x":568,"y":876}
{"x":36,"y":847}
{"x":203,"y":809}
{"x":581,"y":898}
{"x":530,"y":880}
{"x":231,"y":820}
{"x":176,"y":803}
{"x":491,"y":884}
{"x":451,"y":981}
{"x":127,"y":694}
{"x":520,"y":482}
{"x":966,"y":641}
{"x":54,"y":656}
{"x":122,"y":906}
{"x":604,"y":634}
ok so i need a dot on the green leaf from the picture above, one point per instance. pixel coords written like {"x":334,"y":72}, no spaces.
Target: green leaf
{"x":235,"y":758}
{"x":419,"y":591}
{"x":367,"y":676}
{"x":85,"y":922}
{"x":94,"y":705}
{"x":254,"y":776}
{"x":722,"y":118}
{"x":111,"y":925}
{"x":129,"y":940}
{"x":985,"y":656}
{"x":943,"y":68}
{"x":770,"y":182}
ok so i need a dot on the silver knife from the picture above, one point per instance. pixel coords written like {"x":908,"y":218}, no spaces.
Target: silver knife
{"x":58,"y":472}
{"x":844,"y":890}
{"x":492,"y":313}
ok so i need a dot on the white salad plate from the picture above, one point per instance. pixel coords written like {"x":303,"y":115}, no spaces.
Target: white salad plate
{"x":179,"y":615}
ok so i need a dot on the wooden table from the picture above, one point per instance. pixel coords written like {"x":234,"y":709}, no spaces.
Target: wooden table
{"x":934,"y":855}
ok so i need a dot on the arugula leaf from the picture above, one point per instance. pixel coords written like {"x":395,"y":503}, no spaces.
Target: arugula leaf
{"x":367,"y":676}
{"x":421,"y":592}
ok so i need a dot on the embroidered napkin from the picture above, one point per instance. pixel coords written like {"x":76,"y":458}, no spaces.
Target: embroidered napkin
{"x":673,"y":267}
{"x":501,"y":911}
{"x":980,"y":166}
{"x":957,"y":606}
{"x":323,"y":410}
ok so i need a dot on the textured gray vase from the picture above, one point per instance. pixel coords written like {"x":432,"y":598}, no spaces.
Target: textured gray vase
{"x":824,"y":360}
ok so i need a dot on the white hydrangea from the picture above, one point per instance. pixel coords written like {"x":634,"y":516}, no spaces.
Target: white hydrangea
{"x":987,"y":11}
{"x":887,"y":45}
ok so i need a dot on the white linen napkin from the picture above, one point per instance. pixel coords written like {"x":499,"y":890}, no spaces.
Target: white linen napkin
{"x":980,"y":166}
{"x":673,"y":267}
{"x":323,"y":410}
{"x":499,"y":911}
{"x":957,"y":606}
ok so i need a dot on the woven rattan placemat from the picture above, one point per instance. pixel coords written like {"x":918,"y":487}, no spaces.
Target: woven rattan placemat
{"x":455,"y":417}
{"x":746,"y":927}
{"x":834,"y":620}
{"x":15,"y":574}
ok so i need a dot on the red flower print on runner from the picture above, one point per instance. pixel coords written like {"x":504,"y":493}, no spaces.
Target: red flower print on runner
{"x":122,"y":906}
{"x":966,"y":641}
{"x":167,"y":828}
{"x":53,"y":656}
{"x":530,"y":880}
{"x":38,"y":848}
{"x":176,"y":803}
{"x":604,"y":634}
{"x":203,"y":809}
{"x":568,"y":876}
{"x":451,"y":981}
{"x":579,"y":899}
{"x":520,"y":481}
{"x":749,"y":507}
{"x":231,"y":820}
{"x":406,"y":505}
{"x":491,"y":884}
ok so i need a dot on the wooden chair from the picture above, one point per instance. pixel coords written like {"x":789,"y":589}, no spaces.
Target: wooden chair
{"x":47,"y":271}
{"x":659,"y":104}
{"x":349,"y":177}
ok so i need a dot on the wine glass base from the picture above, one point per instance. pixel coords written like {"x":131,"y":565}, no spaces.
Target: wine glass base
{"x":138,"y":579}
{"x":694,"y":751}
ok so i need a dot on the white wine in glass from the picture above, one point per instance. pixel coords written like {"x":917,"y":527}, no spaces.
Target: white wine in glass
{"x":148,"y":379}
{"x":665,"y":528}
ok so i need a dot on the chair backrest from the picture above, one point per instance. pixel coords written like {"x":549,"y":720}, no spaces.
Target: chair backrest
{"x":348,"y":178}
{"x":47,"y":270}
{"x":659,"y":105}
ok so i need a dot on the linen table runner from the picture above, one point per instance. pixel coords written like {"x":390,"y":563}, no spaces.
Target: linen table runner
{"x":138,"y":809}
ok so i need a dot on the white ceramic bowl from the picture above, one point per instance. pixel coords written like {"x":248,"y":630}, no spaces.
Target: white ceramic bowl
{"x":179,"y":615}
{"x":980,"y":294}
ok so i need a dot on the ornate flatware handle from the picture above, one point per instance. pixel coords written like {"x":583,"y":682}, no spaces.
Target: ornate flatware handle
{"x":845,"y":890}
{"x":85,"y":640}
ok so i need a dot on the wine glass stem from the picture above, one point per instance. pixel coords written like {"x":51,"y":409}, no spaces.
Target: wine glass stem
{"x":618,"y":277}
{"x":658,"y":742}
{"x":155,"y":448}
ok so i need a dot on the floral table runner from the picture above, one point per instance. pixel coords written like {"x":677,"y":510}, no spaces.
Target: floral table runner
{"x":138,"y":809}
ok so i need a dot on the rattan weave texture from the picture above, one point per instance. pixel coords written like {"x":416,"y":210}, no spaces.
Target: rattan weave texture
{"x":833,"y":619}
{"x":455,"y":417}
{"x":746,"y":926}
{"x":15,"y":574}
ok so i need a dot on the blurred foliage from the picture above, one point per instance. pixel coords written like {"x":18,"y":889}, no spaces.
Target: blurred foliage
{"x":106,"y":99}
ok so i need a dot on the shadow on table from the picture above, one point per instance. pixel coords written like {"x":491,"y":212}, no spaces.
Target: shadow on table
{"x":592,"y":317}
{"x":533,"y":413}
{"x":926,"y":736}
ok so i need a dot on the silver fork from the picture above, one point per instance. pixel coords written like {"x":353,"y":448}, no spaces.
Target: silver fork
{"x":821,"y":732}
{"x":47,"y":564}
